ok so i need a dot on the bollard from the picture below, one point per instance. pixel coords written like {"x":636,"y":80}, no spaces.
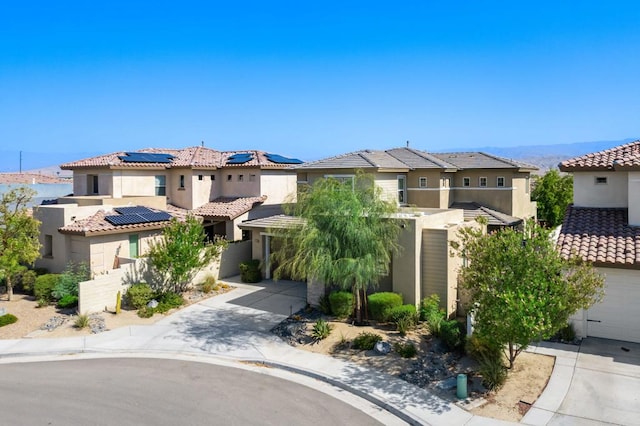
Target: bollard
{"x":461,"y":391}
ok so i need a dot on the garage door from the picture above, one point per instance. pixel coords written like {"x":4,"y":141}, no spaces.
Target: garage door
{"x":618,"y":316}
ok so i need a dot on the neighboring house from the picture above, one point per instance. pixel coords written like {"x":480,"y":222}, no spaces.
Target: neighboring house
{"x":46,"y":186}
{"x":603,"y":227}
{"x":222,"y":188}
{"x":489,"y":186}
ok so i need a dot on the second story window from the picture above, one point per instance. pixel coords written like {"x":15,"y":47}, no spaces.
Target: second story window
{"x":240,"y":178}
{"x":181,"y":182}
{"x":402,"y":189}
{"x":213,"y":177}
{"x":500,"y":182}
{"x":252,"y":178}
{"x":466,"y":182}
{"x":601,"y":180}
{"x":161,"y":185}
{"x":422,"y":182}
{"x":229,"y":177}
{"x":200,"y":177}
{"x":483,"y":182}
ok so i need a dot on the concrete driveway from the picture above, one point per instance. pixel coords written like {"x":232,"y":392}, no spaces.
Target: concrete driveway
{"x":597,"y":383}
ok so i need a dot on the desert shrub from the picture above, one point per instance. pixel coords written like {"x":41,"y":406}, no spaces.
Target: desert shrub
{"x":404,"y":317}
{"x":366,"y":341}
{"x":82,"y":321}
{"x":567,"y":333}
{"x":67,"y":301}
{"x":321,"y":329}
{"x":490,"y":359}
{"x":69,"y":279}
{"x":168,"y":301}
{"x":44,"y":286}
{"x":452,"y":334}
{"x":381,"y":303}
{"x":341,"y":303}
{"x":250,"y":271}
{"x":405,"y":350}
{"x":138,"y":295}
{"x":209,"y":284}
{"x":432,"y":314}
{"x":7,"y":319}
{"x":42,"y":303}
{"x":24,"y":281}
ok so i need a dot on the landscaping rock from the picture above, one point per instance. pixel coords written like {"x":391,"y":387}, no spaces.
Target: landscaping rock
{"x":97,"y":323}
{"x":54,"y":322}
{"x":383,"y":348}
{"x":153,"y":303}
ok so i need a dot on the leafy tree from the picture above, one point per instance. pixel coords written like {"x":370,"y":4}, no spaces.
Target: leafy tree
{"x":345,"y":236}
{"x":520,"y":288}
{"x":553,"y":193}
{"x":181,"y":253}
{"x":19,"y":232}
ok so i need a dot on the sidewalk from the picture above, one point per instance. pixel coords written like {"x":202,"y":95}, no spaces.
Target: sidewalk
{"x":231,"y":328}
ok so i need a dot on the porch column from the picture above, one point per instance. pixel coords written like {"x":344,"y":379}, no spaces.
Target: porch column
{"x":267,"y":257}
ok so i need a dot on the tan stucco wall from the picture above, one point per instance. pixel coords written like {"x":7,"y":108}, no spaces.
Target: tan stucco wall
{"x":586,"y":193}
{"x":634,"y":198}
{"x":278,"y":185}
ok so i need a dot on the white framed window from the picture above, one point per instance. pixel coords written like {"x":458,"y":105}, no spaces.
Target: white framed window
{"x":346,"y":179}
{"x":500,"y":182}
{"x":482,"y":182}
{"x":466,"y":182}
{"x":402,"y":189}
{"x":161,"y":185}
{"x":600,"y":180}
{"x":422,"y":182}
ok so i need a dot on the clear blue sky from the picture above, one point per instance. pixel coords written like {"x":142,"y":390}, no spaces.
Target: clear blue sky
{"x":313,"y":79}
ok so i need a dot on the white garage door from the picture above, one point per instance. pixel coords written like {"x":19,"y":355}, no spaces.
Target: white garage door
{"x":618,"y":316}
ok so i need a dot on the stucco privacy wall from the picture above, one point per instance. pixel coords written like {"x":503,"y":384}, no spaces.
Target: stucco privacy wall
{"x":100,"y":293}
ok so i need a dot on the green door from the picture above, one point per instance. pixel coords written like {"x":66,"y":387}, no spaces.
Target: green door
{"x":133,"y":245}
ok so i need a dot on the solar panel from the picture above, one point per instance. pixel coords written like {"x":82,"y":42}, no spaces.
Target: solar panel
{"x":125,"y":219}
{"x":279,"y":159}
{"x":133,"y":210}
{"x":240,"y":158}
{"x":146,"y":157}
{"x":156,"y":216}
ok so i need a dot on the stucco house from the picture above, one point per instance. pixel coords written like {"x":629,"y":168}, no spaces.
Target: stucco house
{"x":122,"y":200}
{"x":603,"y":227}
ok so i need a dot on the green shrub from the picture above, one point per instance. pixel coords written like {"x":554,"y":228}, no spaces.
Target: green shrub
{"x":490,"y":360}
{"x":404,"y":317}
{"x":146,"y":312}
{"x":209,"y":284}
{"x":324,"y":304}
{"x":7,"y":319}
{"x":341,"y":303}
{"x":25,"y":281}
{"x":321,"y":329}
{"x":366,"y":341}
{"x":405,"y":350}
{"x":250,"y":271}
{"x":82,"y":321}
{"x":168,"y":301}
{"x":68,"y":282}
{"x":381,"y":303}
{"x":67,"y":301}
{"x":432,"y":314}
{"x":452,"y":334}
{"x":42,"y":303}
{"x":138,"y":295}
{"x":567,"y":333}
{"x":44,"y":286}
{"x":40,"y":271}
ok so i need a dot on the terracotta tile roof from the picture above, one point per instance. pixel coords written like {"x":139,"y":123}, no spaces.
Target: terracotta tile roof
{"x":494,"y":217}
{"x":412,"y":159}
{"x":31,"y":179}
{"x":623,"y":157}
{"x":272,"y":222}
{"x":228,"y":207}
{"x":97,"y":224}
{"x":192,"y":157}
{"x":601,"y":236}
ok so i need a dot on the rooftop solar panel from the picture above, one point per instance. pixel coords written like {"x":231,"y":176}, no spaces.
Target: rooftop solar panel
{"x":125,"y":219}
{"x":133,"y":210}
{"x":279,"y":159}
{"x":146,"y":157}
{"x":156,"y":216}
{"x":240,"y":158}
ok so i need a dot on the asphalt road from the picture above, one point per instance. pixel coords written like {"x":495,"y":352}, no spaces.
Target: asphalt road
{"x":134,"y":391}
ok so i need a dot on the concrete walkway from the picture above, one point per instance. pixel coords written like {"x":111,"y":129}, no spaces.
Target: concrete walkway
{"x":235,"y":327}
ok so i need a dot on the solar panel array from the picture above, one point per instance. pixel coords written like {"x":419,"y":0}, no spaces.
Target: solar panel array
{"x":146,"y":157}
{"x":135,"y":215}
{"x":240,"y":158}
{"x":279,"y":159}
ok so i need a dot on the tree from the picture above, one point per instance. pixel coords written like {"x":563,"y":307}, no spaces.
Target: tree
{"x":181,"y":253}
{"x":520,"y":288}
{"x":553,"y":193}
{"x":346,"y":236}
{"x":19,"y":231}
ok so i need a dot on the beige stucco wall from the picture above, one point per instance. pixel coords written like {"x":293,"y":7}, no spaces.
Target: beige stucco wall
{"x":634,"y":198}
{"x":236,"y":182}
{"x":181,"y":197}
{"x":278,"y":185}
{"x":586,"y":193}
{"x":105,"y":249}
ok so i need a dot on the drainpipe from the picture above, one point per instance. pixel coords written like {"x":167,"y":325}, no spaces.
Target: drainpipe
{"x":267,"y":255}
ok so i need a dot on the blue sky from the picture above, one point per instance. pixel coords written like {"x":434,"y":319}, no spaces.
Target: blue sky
{"x":313,"y":79}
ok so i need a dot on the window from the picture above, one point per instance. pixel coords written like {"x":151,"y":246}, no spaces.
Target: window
{"x":466,"y":181}
{"x":446,"y":182}
{"x":482,"y":182}
{"x":252,"y":178}
{"x":92,"y":184}
{"x":422,"y":182}
{"x":240,"y":178}
{"x":601,"y":180}
{"x":161,"y":185}
{"x":402,"y":189}
{"x":346,"y":179}
{"x":181,"y":182}
{"x":500,"y":182}
{"x":213,"y":177}
{"x":48,"y":246}
{"x":229,"y":177}
{"x":200,"y":177}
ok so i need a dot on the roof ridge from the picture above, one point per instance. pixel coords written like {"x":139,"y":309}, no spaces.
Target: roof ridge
{"x":428,"y":156}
